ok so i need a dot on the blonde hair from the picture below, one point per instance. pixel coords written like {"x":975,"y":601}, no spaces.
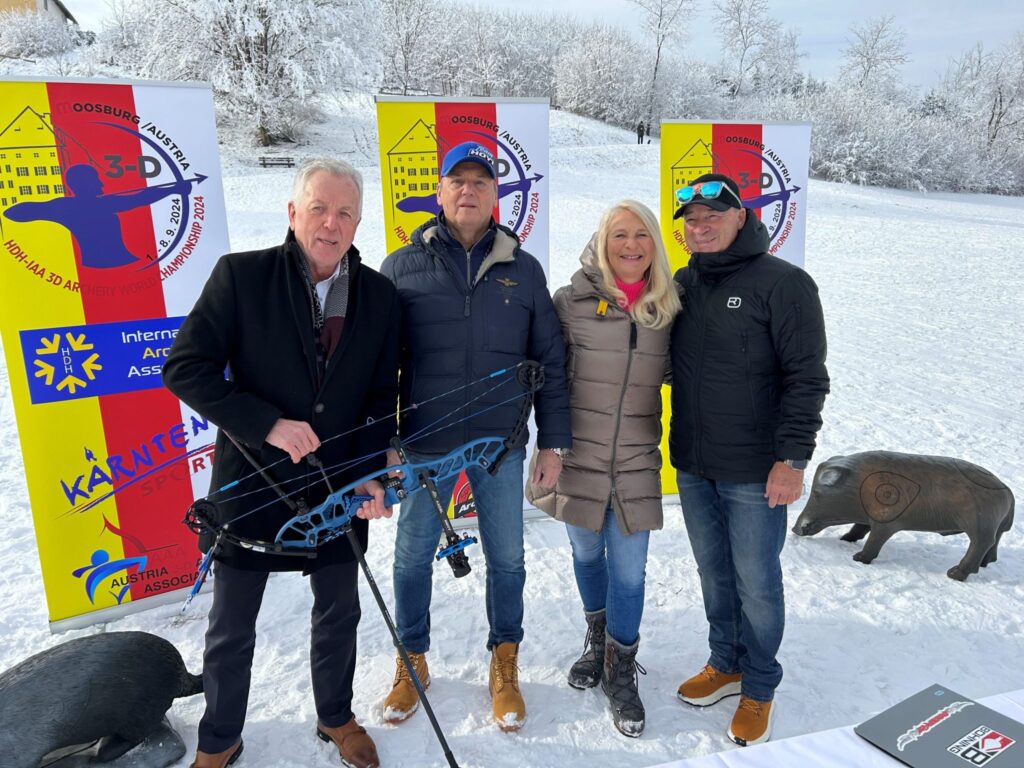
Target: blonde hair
{"x":659,"y":303}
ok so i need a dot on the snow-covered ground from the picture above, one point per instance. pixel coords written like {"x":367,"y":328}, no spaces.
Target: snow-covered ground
{"x":926,"y":353}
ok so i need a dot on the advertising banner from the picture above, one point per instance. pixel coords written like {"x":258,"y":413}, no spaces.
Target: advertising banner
{"x":414,"y":135}
{"x":111,"y":216}
{"x":769,"y":161}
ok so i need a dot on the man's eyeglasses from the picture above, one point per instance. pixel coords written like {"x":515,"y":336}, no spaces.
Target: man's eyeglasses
{"x":708,"y":190}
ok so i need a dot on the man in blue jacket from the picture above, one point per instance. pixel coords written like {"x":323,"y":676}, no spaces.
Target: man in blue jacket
{"x":748,"y":385}
{"x":472,"y":302}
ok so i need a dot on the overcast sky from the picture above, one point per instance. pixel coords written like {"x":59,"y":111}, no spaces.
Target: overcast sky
{"x":936,"y":29}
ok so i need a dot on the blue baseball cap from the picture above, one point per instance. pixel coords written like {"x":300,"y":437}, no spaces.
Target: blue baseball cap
{"x":469,"y":152}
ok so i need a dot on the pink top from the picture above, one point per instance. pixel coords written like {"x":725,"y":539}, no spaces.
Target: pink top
{"x":632,"y":291}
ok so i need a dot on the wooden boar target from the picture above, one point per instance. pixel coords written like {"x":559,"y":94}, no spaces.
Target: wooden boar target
{"x":887,"y":495}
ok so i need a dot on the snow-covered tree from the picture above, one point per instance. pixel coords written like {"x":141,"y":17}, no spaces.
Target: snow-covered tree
{"x":875,"y":52}
{"x":409,"y":42}
{"x":664,"y":21}
{"x":32,"y":36}
{"x":597,"y":76}
{"x":266,"y":59}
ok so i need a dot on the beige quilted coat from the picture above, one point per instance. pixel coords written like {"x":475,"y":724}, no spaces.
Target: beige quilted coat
{"x":615,"y":368}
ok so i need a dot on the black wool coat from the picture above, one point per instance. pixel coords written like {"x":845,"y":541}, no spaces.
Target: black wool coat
{"x":254,"y":318}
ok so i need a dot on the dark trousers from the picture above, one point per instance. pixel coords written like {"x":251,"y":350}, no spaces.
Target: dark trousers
{"x":231,"y":640}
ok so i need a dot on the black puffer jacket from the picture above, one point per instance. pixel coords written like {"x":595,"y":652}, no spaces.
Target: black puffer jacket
{"x":456,"y":331}
{"x":748,"y":362}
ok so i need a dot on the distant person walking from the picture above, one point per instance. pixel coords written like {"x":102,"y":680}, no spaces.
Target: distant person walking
{"x":640,"y":132}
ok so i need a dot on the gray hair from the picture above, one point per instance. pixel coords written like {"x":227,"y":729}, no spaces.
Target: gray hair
{"x":334,"y":167}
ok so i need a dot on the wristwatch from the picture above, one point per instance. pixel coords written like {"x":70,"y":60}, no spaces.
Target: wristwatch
{"x":800,"y":464}
{"x":560,"y":452}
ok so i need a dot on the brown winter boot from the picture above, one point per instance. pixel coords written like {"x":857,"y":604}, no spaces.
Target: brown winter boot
{"x":218,"y":759}
{"x":354,"y":744}
{"x":509,"y":707}
{"x":402,"y":701}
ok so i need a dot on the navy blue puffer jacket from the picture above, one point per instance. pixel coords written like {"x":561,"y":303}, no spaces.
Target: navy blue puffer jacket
{"x":457,"y":330}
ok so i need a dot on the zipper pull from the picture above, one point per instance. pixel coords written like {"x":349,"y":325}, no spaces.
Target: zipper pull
{"x":465,"y":312}
{"x":632,"y":334}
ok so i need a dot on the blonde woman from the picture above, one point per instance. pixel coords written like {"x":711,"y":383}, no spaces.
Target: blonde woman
{"x":616,"y":317}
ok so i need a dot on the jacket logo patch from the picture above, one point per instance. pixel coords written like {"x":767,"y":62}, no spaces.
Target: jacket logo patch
{"x":506,"y":282}
{"x":734,"y":302}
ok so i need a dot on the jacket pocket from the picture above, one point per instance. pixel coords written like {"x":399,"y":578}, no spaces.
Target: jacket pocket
{"x":508,"y":325}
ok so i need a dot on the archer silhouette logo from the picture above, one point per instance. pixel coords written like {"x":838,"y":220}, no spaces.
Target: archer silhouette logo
{"x":62,"y":363}
{"x":84,"y":207}
{"x":91,"y":216}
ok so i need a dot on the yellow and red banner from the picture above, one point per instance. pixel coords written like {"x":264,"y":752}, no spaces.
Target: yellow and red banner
{"x":414,"y":136}
{"x":111,"y":216}
{"x":769,"y":161}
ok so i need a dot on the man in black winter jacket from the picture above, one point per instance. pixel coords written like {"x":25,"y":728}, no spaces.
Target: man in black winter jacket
{"x":749,"y":383}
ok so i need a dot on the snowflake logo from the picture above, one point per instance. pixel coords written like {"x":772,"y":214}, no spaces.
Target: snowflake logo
{"x":66,"y":366}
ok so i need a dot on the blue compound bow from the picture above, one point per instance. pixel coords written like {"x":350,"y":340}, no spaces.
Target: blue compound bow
{"x":311,"y":528}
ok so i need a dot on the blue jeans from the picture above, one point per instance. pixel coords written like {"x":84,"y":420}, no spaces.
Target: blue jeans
{"x":499,"y":504}
{"x":610,"y":568}
{"x":737,"y":541}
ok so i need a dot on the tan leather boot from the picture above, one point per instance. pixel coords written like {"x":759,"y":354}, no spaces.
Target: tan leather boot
{"x":752,"y":723}
{"x":219,"y":759}
{"x":509,"y":707}
{"x":709,"y":686}
{"x":402,"y":701}
{"x":354,"y":744}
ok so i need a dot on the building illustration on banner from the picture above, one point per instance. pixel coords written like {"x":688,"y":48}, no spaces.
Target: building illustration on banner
{"x":413,"y":163}
{"x":694,"y":162}
{"x":31,"y":160}
{"x":412,"y":170}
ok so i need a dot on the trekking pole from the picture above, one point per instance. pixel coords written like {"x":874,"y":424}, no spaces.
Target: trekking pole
{"x":357,"y":549}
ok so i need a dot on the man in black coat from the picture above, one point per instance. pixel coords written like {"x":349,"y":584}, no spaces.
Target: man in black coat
{"x":309,"y":338}
{"x":749,"y":382}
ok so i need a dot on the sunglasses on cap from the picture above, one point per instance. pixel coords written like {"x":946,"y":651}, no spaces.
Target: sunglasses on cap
{"x":708,"y":190}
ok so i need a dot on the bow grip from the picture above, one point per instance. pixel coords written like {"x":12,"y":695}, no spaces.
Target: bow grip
{"x":356,"y":501}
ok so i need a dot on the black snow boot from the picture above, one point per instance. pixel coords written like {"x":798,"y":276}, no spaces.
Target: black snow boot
{"x":586,"y":671}
{"x":619,"y":683}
